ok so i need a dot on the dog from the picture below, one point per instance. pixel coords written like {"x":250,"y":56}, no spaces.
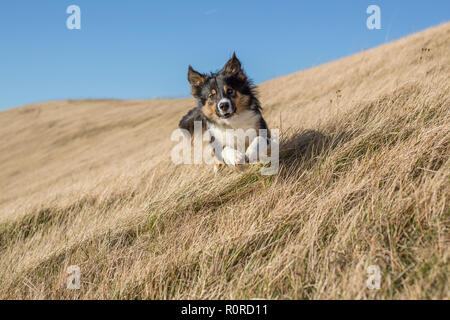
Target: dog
{"x":230,"y":112}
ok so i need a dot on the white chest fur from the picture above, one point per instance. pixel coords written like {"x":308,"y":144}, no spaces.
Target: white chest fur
{"x":237,"y":140}
{"x":227,"y":129}
{"x":245,"y":120}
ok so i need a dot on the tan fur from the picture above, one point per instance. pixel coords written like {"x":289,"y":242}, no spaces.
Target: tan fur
{"x":209,"y":109}
{"x":241,"y":101}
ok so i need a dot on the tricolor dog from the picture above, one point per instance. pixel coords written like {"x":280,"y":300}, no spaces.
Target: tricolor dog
{"x":230,"y":114}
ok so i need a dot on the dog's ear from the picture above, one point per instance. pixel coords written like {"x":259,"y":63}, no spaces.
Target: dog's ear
{"x":196,"y":80}
{"x":233,"y":67}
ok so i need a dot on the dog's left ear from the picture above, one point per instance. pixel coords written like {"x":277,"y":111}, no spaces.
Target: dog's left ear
{"x":233,"y":66}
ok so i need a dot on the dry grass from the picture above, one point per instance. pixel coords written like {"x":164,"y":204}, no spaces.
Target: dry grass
{"x":364,"y":179}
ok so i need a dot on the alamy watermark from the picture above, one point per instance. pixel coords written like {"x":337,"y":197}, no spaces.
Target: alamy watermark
{"x":374,"y":280}
{"x":374,"y":20}
{"x":74,"y":20}
{"x":201,"y":148}
{"x":73,"y":281}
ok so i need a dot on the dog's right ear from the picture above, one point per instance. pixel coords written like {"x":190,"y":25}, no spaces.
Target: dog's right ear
{"x":196,"y":80}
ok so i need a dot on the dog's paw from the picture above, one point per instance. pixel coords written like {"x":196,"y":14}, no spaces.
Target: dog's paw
{"x":217,"y":168}
{"x":257,"y":150}
{"x":232,"y":156}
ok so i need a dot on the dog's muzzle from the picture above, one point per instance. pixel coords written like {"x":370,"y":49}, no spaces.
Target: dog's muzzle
{"x":225,"y":108}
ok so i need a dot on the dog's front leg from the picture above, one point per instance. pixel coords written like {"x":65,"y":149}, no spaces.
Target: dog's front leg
{"x":258,"y":150}
{"x":232,"y":156}
{"x":216,"y":154}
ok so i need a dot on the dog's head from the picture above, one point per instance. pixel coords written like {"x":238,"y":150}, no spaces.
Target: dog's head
{"x":224,"y":94}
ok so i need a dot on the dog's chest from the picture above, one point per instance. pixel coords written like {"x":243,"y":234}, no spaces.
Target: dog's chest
{"x":229,"y":129}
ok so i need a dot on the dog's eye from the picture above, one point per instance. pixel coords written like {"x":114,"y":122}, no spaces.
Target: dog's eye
{"x":212,"y":94}
{"x":230,"y":91}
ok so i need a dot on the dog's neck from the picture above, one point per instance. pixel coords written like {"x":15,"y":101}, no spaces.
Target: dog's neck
{"x":246,"y":120}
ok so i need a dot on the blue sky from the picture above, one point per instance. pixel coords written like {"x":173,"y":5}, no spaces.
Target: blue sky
{"x":141,"y":49}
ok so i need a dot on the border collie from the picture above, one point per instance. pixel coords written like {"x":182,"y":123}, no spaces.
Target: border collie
{"x":230,"y":112}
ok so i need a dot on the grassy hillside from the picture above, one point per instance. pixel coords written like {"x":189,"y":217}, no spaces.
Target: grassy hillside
{"x":364,"y":180}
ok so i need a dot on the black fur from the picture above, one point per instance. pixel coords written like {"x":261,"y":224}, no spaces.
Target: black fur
{"x":187,"y":122}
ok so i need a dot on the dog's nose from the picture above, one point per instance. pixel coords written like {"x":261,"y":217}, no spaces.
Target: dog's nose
{"x":224,"y":105}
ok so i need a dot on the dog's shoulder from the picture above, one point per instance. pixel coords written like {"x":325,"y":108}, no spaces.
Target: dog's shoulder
{"x":187,"y":122}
